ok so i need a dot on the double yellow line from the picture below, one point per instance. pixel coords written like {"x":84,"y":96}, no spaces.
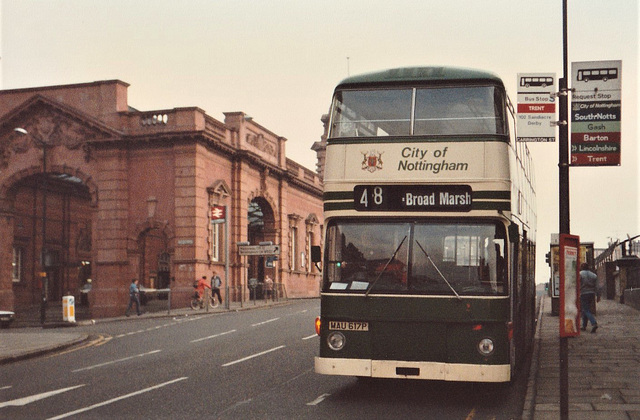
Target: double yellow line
{"x":93,"y":342}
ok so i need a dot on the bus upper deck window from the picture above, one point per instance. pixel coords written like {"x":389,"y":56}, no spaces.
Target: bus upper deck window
{"x":371,"y":113}
{"x":458,"y":111}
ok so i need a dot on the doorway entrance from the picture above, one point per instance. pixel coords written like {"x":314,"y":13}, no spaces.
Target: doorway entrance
{"x":54,"y":215}
{"x":261,"y":228}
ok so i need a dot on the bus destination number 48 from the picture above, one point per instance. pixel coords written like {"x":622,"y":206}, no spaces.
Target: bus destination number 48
{"x":412,"y":198}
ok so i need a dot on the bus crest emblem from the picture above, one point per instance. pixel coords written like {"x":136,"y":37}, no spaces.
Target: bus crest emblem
{"x":372,"y":161}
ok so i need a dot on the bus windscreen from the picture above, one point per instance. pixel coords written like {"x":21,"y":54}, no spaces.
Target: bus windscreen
{"x":419,"y":258}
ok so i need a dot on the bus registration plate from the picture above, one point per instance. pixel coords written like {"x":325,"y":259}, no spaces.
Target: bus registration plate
{"x":348,"y":326}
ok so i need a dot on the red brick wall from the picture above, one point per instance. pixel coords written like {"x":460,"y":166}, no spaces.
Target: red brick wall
{"x":149,"y":180}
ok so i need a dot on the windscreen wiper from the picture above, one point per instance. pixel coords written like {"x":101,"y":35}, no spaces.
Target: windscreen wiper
{"x":385,"y":266}
{"x":439,"y":272}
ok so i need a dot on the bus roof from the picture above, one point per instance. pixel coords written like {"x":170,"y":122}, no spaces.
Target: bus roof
{"x":417,"y":75}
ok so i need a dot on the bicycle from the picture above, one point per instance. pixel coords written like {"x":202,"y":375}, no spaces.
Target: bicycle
{"x":198,"y":302}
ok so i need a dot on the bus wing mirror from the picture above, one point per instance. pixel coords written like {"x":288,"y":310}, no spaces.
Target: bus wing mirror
{"x":514,"y":233}
{"x":316,"y":255}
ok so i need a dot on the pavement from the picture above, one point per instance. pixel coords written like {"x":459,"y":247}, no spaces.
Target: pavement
{"x":33,"y":339}
{"x":604,"y":367}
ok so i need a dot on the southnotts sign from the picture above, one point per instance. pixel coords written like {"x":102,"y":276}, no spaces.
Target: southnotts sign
{"x":536,"y":107}
{"x":595,"y":113}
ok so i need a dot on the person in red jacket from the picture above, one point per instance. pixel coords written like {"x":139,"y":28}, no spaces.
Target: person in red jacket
{"x":201,"y":285}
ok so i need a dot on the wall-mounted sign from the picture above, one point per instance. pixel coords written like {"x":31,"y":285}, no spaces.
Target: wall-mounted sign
{"x":245,"y":250}
{"x":595,"y":113}
{"x":536,"y":107}
{"x":270,"y":262}
{"x":218,"y":214}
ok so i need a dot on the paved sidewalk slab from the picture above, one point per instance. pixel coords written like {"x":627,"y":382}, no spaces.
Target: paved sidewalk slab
{"x":20,"y":345}
{"x":604,"y":367}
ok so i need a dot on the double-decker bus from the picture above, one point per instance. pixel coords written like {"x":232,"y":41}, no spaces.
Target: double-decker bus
{"x":429,"y":249}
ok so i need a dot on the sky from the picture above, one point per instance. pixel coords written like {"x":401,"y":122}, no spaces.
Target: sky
{"x":279,"y":61}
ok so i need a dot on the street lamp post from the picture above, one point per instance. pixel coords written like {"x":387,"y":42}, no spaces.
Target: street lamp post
{"x":43,"y":252}
{"x":244,"y":272}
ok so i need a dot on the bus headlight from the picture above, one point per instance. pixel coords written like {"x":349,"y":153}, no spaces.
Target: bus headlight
{"x":485,"y":346}
{"x":336,"y":340}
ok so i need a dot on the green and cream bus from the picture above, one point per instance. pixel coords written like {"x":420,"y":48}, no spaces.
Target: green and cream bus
{"x":429,"y":212}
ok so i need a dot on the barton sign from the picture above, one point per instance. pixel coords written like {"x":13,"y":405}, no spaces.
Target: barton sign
{"x":595,"y":113}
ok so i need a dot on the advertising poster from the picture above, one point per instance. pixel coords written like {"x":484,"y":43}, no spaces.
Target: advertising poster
{"x":569,"y":285}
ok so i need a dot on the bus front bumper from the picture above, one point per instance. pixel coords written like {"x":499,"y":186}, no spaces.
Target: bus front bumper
{"x":413,"y":370}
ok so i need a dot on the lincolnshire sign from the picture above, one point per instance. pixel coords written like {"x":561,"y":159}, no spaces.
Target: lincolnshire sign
{"x":595,"y":113}
{"x":536,"y":107}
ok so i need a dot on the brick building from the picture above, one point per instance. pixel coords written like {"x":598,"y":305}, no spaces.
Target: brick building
{"x":119,"y":193}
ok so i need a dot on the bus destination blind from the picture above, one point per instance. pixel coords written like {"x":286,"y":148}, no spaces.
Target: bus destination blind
{"x":412,"y":198}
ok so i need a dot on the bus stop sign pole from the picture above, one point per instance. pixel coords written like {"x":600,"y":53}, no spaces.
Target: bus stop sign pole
{"x":563,"y":166}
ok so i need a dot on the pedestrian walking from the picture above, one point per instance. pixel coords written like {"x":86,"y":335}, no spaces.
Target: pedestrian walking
{"x":134,"y":297}
{"x":216,"y":282}
{"x":268,"y":287}
{"x":588,"y":294}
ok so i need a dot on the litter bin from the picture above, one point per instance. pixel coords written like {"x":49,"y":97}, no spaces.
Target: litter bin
{"x":68,"y":309}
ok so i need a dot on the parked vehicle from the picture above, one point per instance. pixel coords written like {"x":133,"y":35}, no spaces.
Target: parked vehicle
{"x":6,"y":318}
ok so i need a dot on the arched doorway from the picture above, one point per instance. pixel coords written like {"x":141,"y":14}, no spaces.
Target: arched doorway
{"x":52,"y":237}
{"x":261,"y":228}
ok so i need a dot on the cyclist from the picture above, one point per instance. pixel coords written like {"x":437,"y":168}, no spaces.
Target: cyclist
{"x":201,"y":285}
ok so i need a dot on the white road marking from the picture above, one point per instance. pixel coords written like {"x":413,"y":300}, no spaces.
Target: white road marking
{"x":116,"y":361}
{"x":310,"y":337}
{"x":33,"y":398}
{"x":133,"y":394}
{"x":212,"y":336}
{"x":5,"y":387}
{"x":252,"y":356}
{"x":265,"y":322}
{"x":319,"y":399}
{"x":177,"y":321}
